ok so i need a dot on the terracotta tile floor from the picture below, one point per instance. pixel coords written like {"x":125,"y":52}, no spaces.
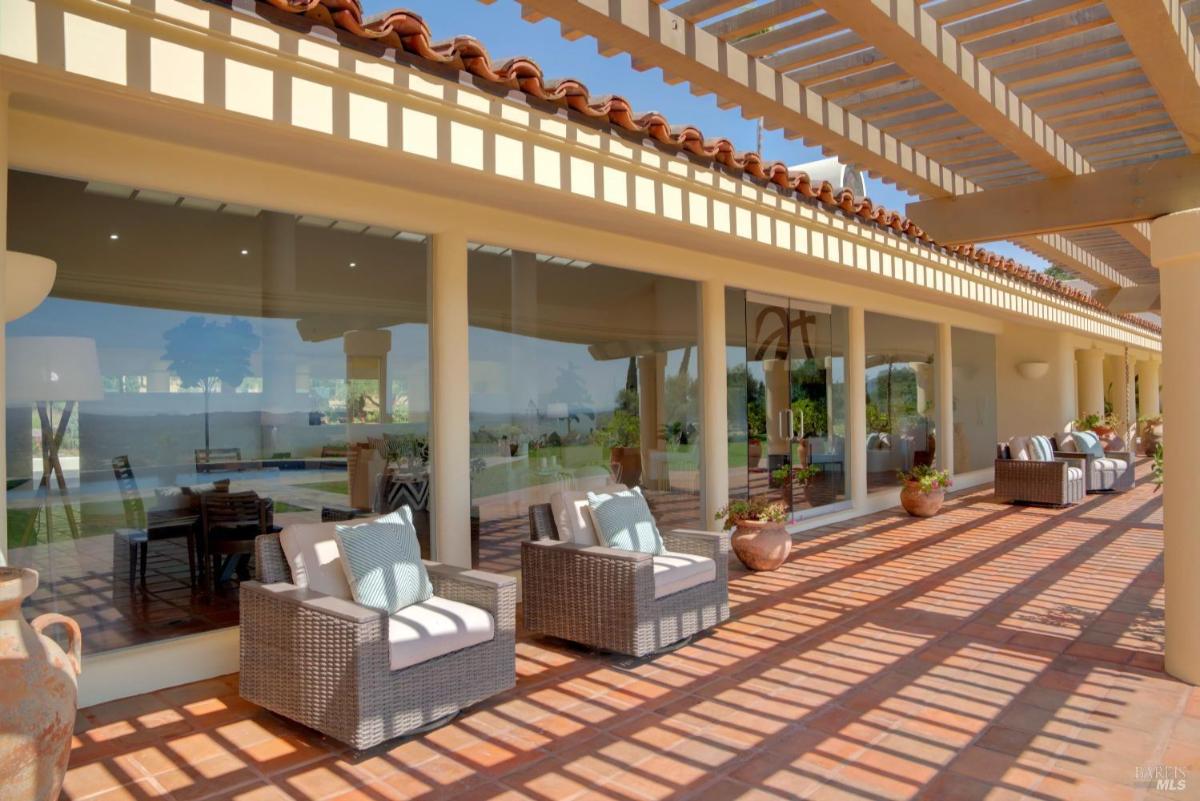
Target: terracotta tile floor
{"x":992,"y":652}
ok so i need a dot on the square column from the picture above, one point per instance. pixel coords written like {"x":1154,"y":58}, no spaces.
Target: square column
{"x":1175,"y":251}
{"x":3,"y":280}
{"x":856,"y":404}
{"x":450,"y":428}
{"x":714,"y":408}
{"x":943,"y":364}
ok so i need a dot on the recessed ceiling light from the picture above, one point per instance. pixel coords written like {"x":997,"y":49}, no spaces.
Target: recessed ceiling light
{"x":353,"y":264}
{"x":245,"y":252}
{"x":114,"y":236}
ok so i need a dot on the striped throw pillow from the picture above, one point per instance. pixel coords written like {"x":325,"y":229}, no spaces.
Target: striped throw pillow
{"x":382,"y":560}
{"x":1040,"y":449}
{"x":624,"y":521}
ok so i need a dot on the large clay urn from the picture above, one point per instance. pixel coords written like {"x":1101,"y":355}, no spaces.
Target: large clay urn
{"x":921,"y":504}
{"x":761,"y":545}
{"x":37,"y":695}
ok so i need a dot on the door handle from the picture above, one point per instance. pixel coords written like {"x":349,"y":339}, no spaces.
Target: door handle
{"x":791,"y":424}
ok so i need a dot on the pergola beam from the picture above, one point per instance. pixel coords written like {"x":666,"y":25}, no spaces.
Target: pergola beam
{"x":1159,"y":36}
{"x":1122,"y":195}
{"x":658,"y":37}
{"x":1057,"y":249}
{"x":1130,"y":299}
{"x":912,"y":38}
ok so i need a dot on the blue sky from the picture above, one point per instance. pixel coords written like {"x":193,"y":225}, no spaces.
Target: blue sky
{"x":500,"y":27}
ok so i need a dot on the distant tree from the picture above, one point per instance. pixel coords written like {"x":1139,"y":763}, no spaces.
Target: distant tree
{"x":203,"y":352}
{"x":1060,"y":273}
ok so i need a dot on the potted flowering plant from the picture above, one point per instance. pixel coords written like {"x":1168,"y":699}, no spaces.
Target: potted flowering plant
{"x":786,"y":478}
{"x":924,"y":490}
{"x":759,"y":538}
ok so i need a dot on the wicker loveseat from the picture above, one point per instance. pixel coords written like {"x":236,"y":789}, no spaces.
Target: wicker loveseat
{"x":332,"y":665}
{"x":1023,"y":480}
{"x":1112,"y":472}
{"x":615,"y":600}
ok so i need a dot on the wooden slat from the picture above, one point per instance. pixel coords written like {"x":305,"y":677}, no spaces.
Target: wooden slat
{"x":758,"y":18}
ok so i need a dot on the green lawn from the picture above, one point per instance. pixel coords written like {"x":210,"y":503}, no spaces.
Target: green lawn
{"x":93,"y":517}
{"x":336,"y":487}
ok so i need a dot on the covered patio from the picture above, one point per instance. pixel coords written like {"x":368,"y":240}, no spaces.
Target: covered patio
{"x":992,"y":652}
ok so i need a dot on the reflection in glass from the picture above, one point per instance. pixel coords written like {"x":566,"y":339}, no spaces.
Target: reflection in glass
{"x":581,"y":376}
{"x":192,"y":347}
{"x":900,"y":396}
{"x":974,"y":359}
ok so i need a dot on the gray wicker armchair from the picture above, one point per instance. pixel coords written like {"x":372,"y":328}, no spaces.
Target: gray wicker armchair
{"x":324,"y":662}
{"x":1113,"y":472}
{"x":605,"y":598}
{"x":1056,"y":483}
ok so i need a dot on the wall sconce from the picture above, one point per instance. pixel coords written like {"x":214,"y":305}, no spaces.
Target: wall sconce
{"x":28,"y":279}
{"x":1033,"y":370}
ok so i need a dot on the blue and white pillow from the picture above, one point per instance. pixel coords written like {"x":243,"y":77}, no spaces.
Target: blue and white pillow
{"x":1088,"y":442}
{"x":1040,"y":449}
{"x":382,"y":560}
{"x":624,"y":521}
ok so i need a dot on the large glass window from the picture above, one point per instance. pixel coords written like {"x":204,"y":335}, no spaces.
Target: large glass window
{"x":193,"y":348}
{"x":581,"y":376}
{"x":974,"y":359}
{"x":787,"y":400}
{"x":900,"y":396}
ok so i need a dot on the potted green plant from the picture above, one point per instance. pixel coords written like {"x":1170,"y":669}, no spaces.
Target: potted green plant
{"x":621,"y":434}
{"x":924,"y":490}
{"x":1156,"y":469}
{"x":759,"y":538}
{"x":1151,"y":432}
{"x":787,"y":478}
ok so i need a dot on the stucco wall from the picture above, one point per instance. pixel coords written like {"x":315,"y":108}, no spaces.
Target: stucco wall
{"x":1043,"y":405}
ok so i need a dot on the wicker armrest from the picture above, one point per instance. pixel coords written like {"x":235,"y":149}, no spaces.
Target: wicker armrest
{"x":1070,"y":456}
{"x":713,"y":544}
{"x":1125,"y":456}
{"x":580,"y":572}
{"x":591,"y":552}
{"x":319,"y":603}
{"x":1021,"y":467}
{"x":495,"y":593}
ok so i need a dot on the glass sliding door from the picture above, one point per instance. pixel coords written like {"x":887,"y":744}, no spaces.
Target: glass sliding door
{"x":795,"y":402}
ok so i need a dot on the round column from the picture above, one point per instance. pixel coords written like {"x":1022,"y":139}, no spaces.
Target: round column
{"x":1149,"y":404}
{"x":856,"y":404}
{"x":714,"y":424}
{"x":1091,"y":381}
{"x":1175,"y":251}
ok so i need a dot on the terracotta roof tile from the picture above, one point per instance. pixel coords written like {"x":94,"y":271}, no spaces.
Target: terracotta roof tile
{"x":406,"y":31}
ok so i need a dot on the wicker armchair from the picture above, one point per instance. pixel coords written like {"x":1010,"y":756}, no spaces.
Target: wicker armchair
{"x":324,"y":662}
{"x":604,"y":597}
{"x":1056,"y":483}
{"x":1113,"y":472}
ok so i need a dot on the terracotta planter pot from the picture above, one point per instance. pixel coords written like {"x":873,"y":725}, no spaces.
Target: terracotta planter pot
{"x":753,"y":453}
{"x":630,"y":461}
{"x":37,"y":695}
{"x":921,"y":504}
{"x":761,"y":545}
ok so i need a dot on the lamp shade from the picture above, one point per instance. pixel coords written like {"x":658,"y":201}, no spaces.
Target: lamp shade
{"x":28,"y":280}
{"x":52,"y":369}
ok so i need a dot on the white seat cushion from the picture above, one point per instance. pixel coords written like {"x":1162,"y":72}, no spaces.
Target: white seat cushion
{"x":312,"y":553}
{"x":573,"y":516}
{"x":1074,"y":473}
{"x":1105,"y":472}
{"x":434,"y":628}
{"x":674,"y":572}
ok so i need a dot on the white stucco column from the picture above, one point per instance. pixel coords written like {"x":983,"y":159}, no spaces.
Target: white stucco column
{"x":449,"y":369}
{"x":1175,"y":251}
{"x":943,"y":364}
{"x":1091,"y":381}
{"x":1148,"y":381}
{"x":714,"y":409}
{"x":856,"y":404}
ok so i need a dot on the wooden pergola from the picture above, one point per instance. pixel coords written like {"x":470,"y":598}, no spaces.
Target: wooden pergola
{"x":1061,"y":125}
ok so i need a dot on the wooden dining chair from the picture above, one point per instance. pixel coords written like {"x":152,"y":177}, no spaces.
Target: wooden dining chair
{"x":229,"y":522}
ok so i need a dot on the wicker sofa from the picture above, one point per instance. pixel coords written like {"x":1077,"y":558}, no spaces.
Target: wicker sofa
{"x":621,"y":601}
{"x":1113,"y":472}
{"x":1057,"y":483}
{"x":330,"y":664}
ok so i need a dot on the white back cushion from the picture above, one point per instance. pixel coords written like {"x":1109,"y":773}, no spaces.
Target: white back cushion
{"x":1018,"y":448}
{"x":312,"y":553}
{"x":573,"y":516}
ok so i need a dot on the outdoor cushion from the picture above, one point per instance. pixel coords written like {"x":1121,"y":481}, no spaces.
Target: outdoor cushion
{"x":674,"y":572}
{"x":624,"y":521}
{"x":1087,"y":442}
{"x":573,"y":516}
{"x":435,"y":627}
{"x":1018,"y":448}
{"x":1074,"y":473}
{"x":311,"y":550}
{"x":382,"y":560}
{"x":1106,"y":471}
{"x":1040,"y":449}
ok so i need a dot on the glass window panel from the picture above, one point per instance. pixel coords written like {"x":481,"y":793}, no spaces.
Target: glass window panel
{"x":974,"y":359}
{"x":581,"y":375}
{"x":188,"y":343}
{"x":900,"y":396}
{"x":741,"y":450}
